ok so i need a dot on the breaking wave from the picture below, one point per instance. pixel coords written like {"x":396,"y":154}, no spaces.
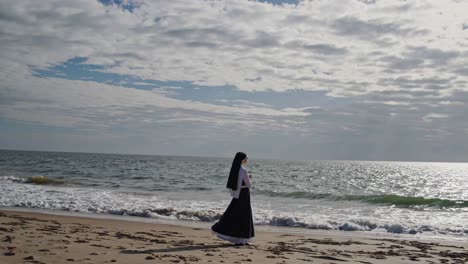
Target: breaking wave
{"x":396,"y":200}
{"x":86,"y":200}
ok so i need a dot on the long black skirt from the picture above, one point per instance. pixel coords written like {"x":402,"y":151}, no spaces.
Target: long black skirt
{"x":237,"y":221}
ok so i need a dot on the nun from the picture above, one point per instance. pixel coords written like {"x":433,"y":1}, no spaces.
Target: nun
{"x":236,"y":224}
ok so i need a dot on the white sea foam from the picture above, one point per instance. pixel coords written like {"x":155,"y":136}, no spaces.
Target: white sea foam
{"x":339,"y":216}
{"x":13,"y":179}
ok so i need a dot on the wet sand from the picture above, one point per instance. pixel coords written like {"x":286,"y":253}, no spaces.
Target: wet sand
{"x":27,"y":237}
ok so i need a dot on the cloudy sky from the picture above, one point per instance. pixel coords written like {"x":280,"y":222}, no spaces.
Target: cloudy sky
{"x":289,"y":79}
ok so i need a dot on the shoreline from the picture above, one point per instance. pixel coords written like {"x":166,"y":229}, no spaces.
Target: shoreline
{"x":33,"y":237}
{"x":263,"y":228}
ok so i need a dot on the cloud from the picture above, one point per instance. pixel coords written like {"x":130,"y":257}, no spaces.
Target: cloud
{"x":429,"y":117}
{"x":151,"y":63}
{"x":463,"y":71}
{"x":322,"y":49}
{"x":218,"y":44}
{"x":436,"y":57}
{"x":417,"y":83}
{"x":90,"y":105}
{"x":280,"y":2}
{"x":368,"y":1}
{"x":369,"y":30}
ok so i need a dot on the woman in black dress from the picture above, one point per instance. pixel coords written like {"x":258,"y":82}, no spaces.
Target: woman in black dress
{"x":236,"y":224}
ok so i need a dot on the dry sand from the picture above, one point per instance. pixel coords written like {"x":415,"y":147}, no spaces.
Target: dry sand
{"x":27,"y":237}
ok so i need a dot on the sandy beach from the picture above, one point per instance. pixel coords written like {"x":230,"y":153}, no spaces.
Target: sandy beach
{"x":29,"y":237}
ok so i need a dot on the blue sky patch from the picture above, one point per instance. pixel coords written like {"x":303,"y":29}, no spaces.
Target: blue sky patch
{"x":127,"y":6}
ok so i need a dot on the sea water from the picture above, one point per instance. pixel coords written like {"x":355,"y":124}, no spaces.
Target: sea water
{"x":414,"y":198}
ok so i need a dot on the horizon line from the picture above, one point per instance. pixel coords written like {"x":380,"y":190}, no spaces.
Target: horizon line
{"x":224,"y":157}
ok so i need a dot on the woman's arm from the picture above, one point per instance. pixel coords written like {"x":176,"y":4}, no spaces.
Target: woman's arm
{"x":246,"y":178}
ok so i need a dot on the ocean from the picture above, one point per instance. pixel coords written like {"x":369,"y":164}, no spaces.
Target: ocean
{"x":424,"y":199}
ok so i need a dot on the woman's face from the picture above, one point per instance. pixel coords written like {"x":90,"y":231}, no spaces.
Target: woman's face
{"x":245,"y":161}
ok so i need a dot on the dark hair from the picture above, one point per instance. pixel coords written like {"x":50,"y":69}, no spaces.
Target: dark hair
{"x":234,"y":173}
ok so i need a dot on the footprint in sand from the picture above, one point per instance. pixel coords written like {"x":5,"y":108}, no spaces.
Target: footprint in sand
{"x":8,"y":239}
{"x":95,"y":245}
{"x":2,"y":229}
{"x":183,"y":242}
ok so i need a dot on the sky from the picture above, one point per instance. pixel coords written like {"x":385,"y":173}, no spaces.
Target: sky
{"x":282,"y":79}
